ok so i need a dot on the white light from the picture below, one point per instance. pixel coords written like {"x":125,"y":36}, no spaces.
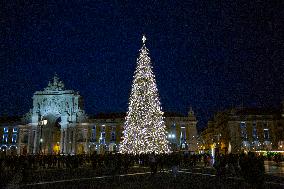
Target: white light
{"x":41,"y":140}
{"x":144,"y":128}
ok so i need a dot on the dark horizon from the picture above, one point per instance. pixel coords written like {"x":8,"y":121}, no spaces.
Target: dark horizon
{"x":207,"y":55}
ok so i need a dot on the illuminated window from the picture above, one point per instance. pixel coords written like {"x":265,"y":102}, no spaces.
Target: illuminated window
{"x":103,"y":138}
{"x":266,"y":134}
{"x":5,"y":138}
{"x":14,"y":138}
{"x":6,"y":130}
{"x":15,"y":130}
{"x":182,"y":135}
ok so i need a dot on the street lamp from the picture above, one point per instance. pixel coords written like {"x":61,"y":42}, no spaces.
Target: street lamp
{"x":171,"y":138}
{"x":41,"y":124}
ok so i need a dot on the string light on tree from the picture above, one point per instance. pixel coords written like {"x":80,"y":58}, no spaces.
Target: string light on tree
{"x":144,"y":128}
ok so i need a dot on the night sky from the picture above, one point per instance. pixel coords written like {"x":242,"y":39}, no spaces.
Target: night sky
{"x":209,"y":55}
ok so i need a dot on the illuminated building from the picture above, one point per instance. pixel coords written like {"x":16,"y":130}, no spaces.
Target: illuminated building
{"x":245,"y":129}
{"x":57,"y":123}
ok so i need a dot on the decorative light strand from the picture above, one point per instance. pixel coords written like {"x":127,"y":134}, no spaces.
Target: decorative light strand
{"x":144,"y":127}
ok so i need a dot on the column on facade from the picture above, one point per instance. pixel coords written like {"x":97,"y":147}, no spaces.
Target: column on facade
{"x":35,"y":139}
{"x":29,"y":140}
{"x":63,"y":140}
{"x":70,"y":143}
{"x":67,"y":140}
{"x":73,"y":149}
{"x":19,"y":141}
{"x":86,"y":140}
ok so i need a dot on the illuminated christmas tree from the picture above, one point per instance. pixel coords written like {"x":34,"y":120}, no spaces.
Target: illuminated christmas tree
{"x":144,"y":128}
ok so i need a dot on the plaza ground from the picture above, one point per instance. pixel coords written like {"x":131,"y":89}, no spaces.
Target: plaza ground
{"x":137,"y":177}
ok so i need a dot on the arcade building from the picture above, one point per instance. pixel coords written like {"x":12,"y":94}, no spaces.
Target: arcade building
{"x":58,"y":124}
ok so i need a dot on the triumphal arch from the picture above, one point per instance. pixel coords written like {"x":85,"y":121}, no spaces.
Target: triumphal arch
{"x":53,"y":119}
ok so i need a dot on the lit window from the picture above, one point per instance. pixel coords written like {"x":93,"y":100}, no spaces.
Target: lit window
{"x":266,"y":134}
{"x":14,"y":138}
{"x":5,"y":138}
{"x":15,"y":130}
{"x":6,"y":130}
{"x":102,"y":138}
{"x":182,"y":135}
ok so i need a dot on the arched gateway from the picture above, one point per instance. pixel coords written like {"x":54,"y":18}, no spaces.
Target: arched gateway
{"x":52,"y":120}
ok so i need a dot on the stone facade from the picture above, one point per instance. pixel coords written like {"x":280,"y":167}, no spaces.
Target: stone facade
{"x":57,"y":124}
{"x":245,"y":129}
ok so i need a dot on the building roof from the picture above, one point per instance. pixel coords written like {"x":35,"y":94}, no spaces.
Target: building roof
{"x":115,"y":115}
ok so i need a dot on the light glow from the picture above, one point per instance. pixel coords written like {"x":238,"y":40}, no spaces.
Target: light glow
{"x":144,"y":127}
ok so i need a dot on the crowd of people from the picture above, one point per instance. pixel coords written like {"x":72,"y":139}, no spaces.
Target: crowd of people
{"x":123,"y":161}
{"x":119,"y":161}
{"x":245,"y":165}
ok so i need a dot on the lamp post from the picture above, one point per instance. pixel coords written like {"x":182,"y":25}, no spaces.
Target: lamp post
{"x":41,"y":124}
{"x":171,"y":138}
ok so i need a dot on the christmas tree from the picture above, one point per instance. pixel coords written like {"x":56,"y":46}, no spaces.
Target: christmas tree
{"x":144,"y":128}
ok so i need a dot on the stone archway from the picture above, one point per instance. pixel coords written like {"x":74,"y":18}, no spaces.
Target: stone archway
{"x":50,"y":134}
{"x":3,"y":150}
{"x":63,"y":110}
{"x":13,"y":150}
